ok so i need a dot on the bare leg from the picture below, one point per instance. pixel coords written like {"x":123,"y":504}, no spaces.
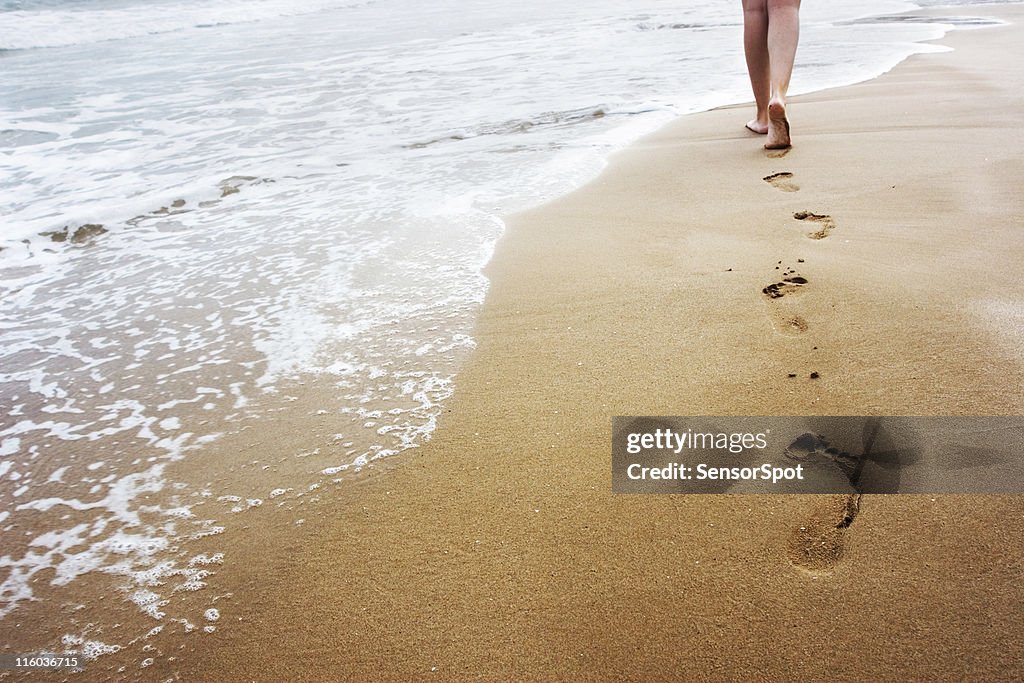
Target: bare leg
{"x":755,"y":47}
{"x":783,"y":34}
{"x":771,"y":29}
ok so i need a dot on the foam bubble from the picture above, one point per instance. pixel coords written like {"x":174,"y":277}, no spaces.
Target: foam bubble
{"x":149,"y":602}
{"x":58,"y":474}
{"x":9,"y":446}
{"x":90,"y":649}
{"x":170,"y":423}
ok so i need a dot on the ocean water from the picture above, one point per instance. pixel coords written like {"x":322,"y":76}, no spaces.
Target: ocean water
{"x":205,"y":204}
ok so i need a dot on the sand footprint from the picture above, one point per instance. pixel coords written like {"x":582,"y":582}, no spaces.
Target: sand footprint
{"x":782,"y":181}
{"x":815,"y":449}
{"x":826,"y":222}
{"x":818,"y":545}
{"x":791,"y":325}
{"x":791,"y":283}
{"x":785,"y":321}
{"x":776,"y":153}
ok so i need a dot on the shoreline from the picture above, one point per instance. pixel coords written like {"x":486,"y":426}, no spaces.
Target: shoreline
{"x":481,"y":556}
{"x":478,"y":555}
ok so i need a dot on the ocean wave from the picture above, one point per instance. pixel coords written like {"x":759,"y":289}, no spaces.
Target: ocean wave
{"x":22,"y":249}
{"x":960,"y":22}
{"x":514,"y":126}
{"x":682,"y":26}
{"x":47,"y":27}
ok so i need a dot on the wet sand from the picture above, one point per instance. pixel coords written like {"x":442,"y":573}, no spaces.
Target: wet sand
{"x":497,"y":551}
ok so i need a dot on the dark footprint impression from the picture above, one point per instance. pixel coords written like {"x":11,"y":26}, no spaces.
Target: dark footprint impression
{"x":782,"y":181}
{"x":810,"y":447}
{"x":783,"y":317}
{"x":818,"y":545}
{"x":826,"y":222}
{"x":791,"y":282}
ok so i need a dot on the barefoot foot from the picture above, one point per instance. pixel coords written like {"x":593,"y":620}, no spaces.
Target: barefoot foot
{"x":755,"y":126}
{"x":778,"y":126}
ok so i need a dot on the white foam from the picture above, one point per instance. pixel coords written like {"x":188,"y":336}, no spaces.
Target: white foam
{"x":149,"y":602}
{"x":170,"y":423}
{"x":9,"y":446}
{"x":57,"y":475}
{"x":90,"y":649}
{"x":187,"y":626}
{"x":55,"y":27}
{"x":118,"y":500}
{"x":204,"y":559}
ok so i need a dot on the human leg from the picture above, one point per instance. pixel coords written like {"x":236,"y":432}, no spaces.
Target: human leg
{"x":783,"y":35}
{"x":755,"y":48}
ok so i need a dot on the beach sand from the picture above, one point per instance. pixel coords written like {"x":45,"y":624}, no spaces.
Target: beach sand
{"x":498,"y":552}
